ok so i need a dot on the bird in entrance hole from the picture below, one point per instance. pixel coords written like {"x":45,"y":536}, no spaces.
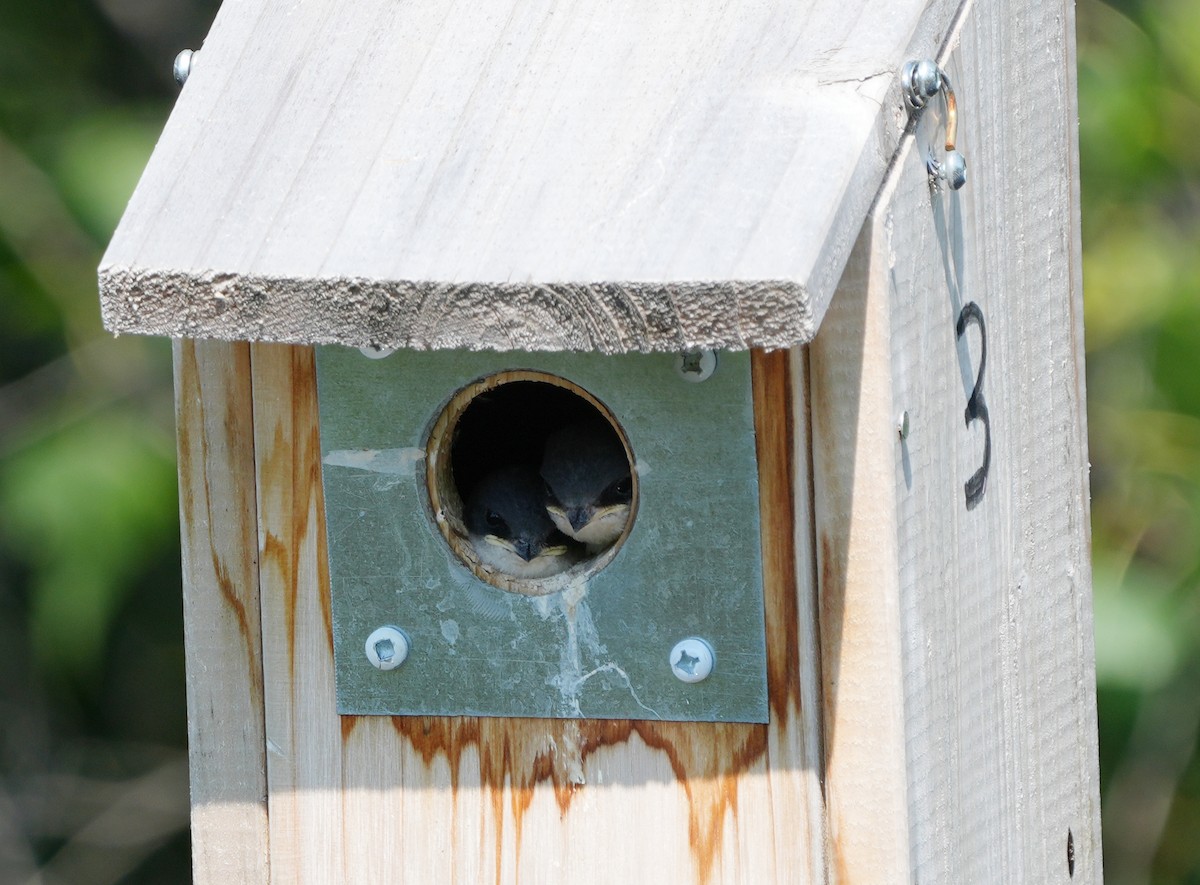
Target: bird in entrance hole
{"x":589,"y":486}
{"x":508,"y":526}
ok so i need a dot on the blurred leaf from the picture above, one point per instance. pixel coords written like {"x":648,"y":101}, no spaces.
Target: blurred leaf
{"x":1139,"y":94}
{"x":1120,"y":88}
{"x":1177,"y":26}
{"x":1137,"y":636}
{"x":1131,"y":269}
{"x":1175,"y":348}
{"x":99,"y":161}
{"x":44,"y":237}
{"x":82,"y":508}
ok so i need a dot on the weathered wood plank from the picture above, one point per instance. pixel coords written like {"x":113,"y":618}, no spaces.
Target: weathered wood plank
{"x":470,"y":800}
{"x":981,"y":511}
{"x":784,"y":434}
{"x":622,"y":176}
{"x":222,"y":636}
{"x":853,"y":429}
{"x":999,"y":663}
{"x":303,"y":734}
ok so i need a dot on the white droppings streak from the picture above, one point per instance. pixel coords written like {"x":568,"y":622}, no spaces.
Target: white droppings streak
{"x":582,"y":639}
{"x":386,"y":461}
{"x":571,"y":753}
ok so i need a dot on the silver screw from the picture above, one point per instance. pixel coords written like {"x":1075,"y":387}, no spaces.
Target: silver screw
{"x":692,"y":659}
{"x":376,"y":351}
{"x":183,"y":66}
{"x":922,"y":80}
{"x":696,"y":365}
{"x":954,"y":170}
{"x":387,"y":648}
{"x":902,"y":424}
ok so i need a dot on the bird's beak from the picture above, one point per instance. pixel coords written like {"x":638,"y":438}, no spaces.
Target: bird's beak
{"x":580,"y":516}
{"x":525,"y":549}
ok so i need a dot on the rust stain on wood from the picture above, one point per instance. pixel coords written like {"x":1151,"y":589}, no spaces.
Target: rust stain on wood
{"x":290,"y":478}
{"x":774,"y":423}
{"x":831,"y":606}
{"x":519,"y":757}
{"x":222,"y":627}
{"x":235,"y":444}
{"x":309,"y":499}
{"x":832,"y":583}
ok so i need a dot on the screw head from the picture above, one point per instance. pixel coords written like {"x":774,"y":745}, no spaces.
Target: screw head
{"x":183,"y":66}
{"x":376,"y":352}
{"x":696,"y":365}
{"x":922,"y":80}
{"x":387,"y":648}
{"x":955,"y":170}
{"x":692,"y":659}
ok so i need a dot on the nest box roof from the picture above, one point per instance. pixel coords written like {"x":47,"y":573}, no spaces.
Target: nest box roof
{"x":607,"y":175}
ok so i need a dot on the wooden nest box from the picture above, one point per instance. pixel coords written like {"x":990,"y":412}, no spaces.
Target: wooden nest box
{"x":615,"y":447}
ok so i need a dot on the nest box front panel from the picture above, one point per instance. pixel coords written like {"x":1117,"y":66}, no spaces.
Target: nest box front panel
{"x":547,"y":535}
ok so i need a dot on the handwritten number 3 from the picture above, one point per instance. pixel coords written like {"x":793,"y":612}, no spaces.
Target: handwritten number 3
{"x":976,"y":407}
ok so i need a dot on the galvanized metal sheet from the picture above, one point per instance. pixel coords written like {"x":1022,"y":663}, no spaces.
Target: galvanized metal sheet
{"x":691,"y":565}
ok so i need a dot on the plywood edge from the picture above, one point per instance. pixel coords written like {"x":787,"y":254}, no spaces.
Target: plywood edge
{"x":222,"y":638}
{"x":1089,"y":760}
{"x":616,"y":317}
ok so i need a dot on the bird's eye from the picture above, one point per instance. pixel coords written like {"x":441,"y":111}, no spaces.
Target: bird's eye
{"x":619,"y":492}
{"x":493,"y":519}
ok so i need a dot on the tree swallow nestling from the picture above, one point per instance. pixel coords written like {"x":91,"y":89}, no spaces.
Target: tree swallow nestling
{"x":507,"y":525}
{"x":589,"y":487}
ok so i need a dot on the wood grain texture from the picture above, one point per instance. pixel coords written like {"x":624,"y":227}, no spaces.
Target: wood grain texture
{"x":489,"y":800}
{"x":986,"y":618}
{"x":853,"y":429}
{"x":999,"y":661}
{"x":511,"y":175}
{"x":222,"y":635}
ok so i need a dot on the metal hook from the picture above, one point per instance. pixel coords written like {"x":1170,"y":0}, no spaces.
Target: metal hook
{"x":921,"y":81}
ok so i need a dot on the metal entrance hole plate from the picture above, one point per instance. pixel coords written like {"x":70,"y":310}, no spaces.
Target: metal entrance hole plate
{"x":599,"y":647}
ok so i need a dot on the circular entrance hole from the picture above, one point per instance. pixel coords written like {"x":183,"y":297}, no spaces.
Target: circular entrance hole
{"x":531,"y":481}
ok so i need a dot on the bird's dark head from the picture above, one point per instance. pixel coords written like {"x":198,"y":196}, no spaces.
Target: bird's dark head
{"x":509,"y":528}
{"x":588,"y":483}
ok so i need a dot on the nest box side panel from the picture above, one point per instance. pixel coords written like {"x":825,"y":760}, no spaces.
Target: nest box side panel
{"x":461,"y":799}
{"x":995,"y":270}
{"x":222,"y":634}
{"x":961,"y":364}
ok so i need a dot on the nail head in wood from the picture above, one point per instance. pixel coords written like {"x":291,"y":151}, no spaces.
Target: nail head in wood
{"x":183,"y":66}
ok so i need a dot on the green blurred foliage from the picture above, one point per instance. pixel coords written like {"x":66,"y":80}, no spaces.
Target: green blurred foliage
{"x":92,"y":720}
{"x":71,"y":508}
{"x":91,"y":684}
{"x":1139,"y":97}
